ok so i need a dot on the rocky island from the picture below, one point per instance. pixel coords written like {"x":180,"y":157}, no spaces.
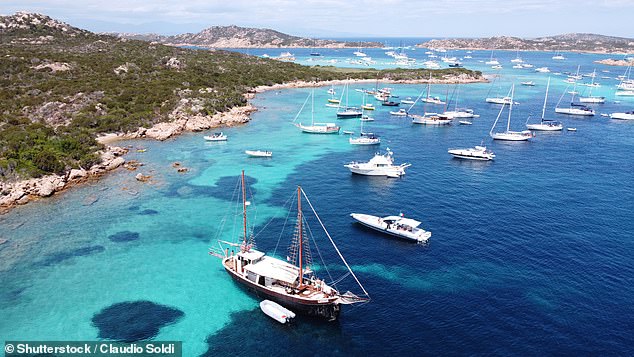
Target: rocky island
{"x":67,"y":93}
{"x":243,"y":37}
{"x":575,"y":42}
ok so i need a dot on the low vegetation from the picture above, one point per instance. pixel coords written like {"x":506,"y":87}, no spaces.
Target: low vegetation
{"x":60,"y":89}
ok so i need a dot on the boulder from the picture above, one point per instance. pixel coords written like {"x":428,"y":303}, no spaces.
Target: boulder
{"x":77,"y":173}
{"x":114,"y":163}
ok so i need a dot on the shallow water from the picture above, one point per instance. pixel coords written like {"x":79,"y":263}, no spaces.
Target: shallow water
{"x":529,"y":253}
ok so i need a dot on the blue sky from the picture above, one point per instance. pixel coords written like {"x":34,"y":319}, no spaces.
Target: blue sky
{"x":332,"y":18}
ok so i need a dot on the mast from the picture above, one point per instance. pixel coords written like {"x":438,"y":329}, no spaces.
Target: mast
{"x":301,"y":238}
{"x":312,"y":107}
{"x":244,"y":211}
{"x":508,"y":122}
{"x":545,"y":98}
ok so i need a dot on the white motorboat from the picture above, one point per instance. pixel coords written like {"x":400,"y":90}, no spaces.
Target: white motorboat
{"x":545,"y":124}
{"x":509,"y":135}
{"x":592,"y":99}
{"x":368,"y":106}
{"x":528,"y":83}
{"x":474,"y":153}
{"x":258,"y":153}
{"x":499,"y":100}
{"x":379,"y":165}
{"x":276,"y":311}
{"x":314,"y":128}
{"x":465,"y":122}
{"x":407,"y":100}
{"x":216,"y":137}
{"x":366,"y":118}
{"x":542,"y":70}
{"x":400,"y":113}
{"x":572,"y":129}
{"x":497,"y":66}
{"x":623,"y":116}
{"x":397,"y":226}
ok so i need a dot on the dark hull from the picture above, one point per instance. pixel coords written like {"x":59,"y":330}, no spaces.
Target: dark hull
{"x":328,"y":310}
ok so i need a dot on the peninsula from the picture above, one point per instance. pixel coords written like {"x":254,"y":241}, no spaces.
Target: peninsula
{"x":574,"y":42}
{"x":63,"y":88}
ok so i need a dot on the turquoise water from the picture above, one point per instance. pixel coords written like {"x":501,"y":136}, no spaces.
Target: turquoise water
{"x":528,"y":252}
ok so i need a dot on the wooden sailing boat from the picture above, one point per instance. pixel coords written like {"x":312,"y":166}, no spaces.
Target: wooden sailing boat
{"x":291,"y":283}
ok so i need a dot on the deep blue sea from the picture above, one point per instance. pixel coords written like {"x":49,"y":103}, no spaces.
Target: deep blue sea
{"x":531,"y":254}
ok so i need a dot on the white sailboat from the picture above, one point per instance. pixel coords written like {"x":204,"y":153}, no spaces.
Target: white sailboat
{"x":558,"y":57}
{"x":492,"y":61}
{"x":590,"y":98}
{"x":574,"y":108}
{"x":498,"y":99}
{"x":459,"y":113}
{"x":347,"y":112}
{"x":545,"y":124}
{"x":508,"y":134}
{"x":364,"y":138}
{"x":315,"y":128}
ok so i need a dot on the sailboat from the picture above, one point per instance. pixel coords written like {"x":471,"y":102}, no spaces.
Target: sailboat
{"x":492,"y":61}
{"x":508,"y":134}
{"x":545,"y":124}
{"x":459,"y":112}
{"x":348,"y":112}
{"x":590,"y":98}
{"x":498,"y":99}
{"x":574,"y":108}
{"x":558,"y":56}
{"x":429,"y":98}
{"x":365,"y":138}
{"x":291,"y":283}
{"x":315,"y":128}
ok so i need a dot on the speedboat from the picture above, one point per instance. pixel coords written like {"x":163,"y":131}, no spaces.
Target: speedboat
{"x":216,"y":137}
{"x":474,"y":153}
{"x":397,"y":226}
{"x":258,"y":153}
{"x":379,"y":165}
{"x":407,"y":100}
{"x":623,"y":116}
{"x":400,"y":113}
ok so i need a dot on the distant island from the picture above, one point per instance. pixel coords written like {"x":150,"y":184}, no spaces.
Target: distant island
{"x":242,"y":37}
{"x":66,"y":92}
{"x":574,"y":42}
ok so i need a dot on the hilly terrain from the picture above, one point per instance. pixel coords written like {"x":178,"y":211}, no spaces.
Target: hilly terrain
{"x":243,"y":37}
{"x":575,"y":42}
{"x":61,"y":87}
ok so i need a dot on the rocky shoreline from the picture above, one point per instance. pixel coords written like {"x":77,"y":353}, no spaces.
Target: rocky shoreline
{"x":18,"y":193}
{"x":615,"y":62}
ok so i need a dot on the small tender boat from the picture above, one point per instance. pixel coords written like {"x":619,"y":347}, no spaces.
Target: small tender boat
{"x":366,"y":118}
{"x":542,"y":70}
{"x":400,"y":113}
{"x":397,"y":226}
{"x":474,"y":153}
{"x":368,"y":106}
{"x":379,"y":165}
{"x":528,"y":83}
{"x":572,"y":129}
{"x":465,"y":122}
{"x":216,"y":137}
{"x":276,"y":311}
{"x":258,"y":153}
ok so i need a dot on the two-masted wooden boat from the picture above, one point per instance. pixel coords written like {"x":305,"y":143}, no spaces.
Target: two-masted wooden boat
{"x":291,"y":282}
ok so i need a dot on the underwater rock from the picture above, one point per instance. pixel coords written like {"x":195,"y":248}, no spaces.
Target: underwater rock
{"x":124,"y":236}
{"x":134,"y":320}
{"x":53,"y":259}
